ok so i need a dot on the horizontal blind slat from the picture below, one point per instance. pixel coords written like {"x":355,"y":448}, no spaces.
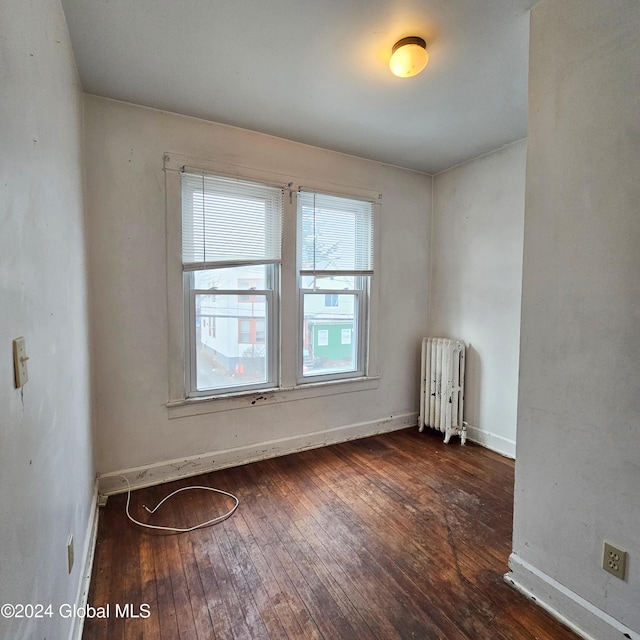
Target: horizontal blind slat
{"x":230,"y":220}
{"x":336,"y":233}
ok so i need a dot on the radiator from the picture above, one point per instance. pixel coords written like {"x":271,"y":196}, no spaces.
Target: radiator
{"x":442,"y":387}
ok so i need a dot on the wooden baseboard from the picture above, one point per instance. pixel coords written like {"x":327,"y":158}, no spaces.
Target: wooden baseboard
{"x":568,"y":607}
{"x":87,"y":566}
{"x":139,"y":477}
{"x":499,"y":444}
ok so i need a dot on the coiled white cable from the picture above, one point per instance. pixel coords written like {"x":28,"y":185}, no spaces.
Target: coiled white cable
{"x":176,"y":529}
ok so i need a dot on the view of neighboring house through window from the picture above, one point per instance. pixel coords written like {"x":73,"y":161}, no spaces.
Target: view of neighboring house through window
{"x":231,"y":241}
{"x":335,"y":244}
{"x":232,"y":263}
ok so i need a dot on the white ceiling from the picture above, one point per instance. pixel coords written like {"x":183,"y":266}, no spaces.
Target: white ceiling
{"x":316,"y":71}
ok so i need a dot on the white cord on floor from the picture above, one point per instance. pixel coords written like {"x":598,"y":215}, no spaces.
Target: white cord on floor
{"x":175,"y":529}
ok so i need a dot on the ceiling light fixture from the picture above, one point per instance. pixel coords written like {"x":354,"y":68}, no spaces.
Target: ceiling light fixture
{"x":408,"y":57}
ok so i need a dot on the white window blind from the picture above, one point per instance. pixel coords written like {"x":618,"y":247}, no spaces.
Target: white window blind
{"x":229,"y":221}
{"x":336,"y":234}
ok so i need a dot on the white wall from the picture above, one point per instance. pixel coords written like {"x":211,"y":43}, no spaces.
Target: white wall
{"x":476,"y":283}
{"x":46,"y":474}
{"x":578,"y":465}
{"x":127,"y":230}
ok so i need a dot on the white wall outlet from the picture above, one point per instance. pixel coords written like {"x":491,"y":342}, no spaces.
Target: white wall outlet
{"x":614,"y":561}
{"x":20,"y":362}
{"x":70,"y":553}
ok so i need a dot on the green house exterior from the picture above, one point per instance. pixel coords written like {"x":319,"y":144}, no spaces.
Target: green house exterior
{"x":330,"y":342}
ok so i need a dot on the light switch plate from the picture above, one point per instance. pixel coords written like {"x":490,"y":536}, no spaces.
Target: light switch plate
{"x":70,"y":553}
{"x":20,"y":362}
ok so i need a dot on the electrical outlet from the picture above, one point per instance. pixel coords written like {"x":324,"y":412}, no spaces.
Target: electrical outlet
{"x":614,"y":561}
{"x":70,"y":553}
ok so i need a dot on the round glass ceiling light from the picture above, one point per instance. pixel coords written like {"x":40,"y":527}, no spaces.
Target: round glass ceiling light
{"x":408,"y":57}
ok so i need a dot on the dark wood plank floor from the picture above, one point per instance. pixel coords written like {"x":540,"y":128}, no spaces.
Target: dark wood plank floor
{"x":395,"y":536}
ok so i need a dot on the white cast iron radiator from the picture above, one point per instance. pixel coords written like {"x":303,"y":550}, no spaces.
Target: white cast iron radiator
{"x":442,"y":387}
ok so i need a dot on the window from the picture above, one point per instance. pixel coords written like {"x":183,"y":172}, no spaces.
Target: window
{"x":244,"y":333}
{"x":270,"y":286}
{"x":231,"y":242}
{"x":330,"y":299}
{"x":335,"y":246}
{"x":245,"y":297}
{"x":208,"y":323}
{"x":259,"y":331}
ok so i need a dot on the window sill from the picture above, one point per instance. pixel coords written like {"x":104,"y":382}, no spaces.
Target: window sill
{"x":245,"y":400}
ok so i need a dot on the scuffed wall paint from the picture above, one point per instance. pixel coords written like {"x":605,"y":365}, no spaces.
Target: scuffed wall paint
{"x":46,"y":470}
{"x":125,"y":147}
{"x":476,"y":283}
{"x":577,"y":471}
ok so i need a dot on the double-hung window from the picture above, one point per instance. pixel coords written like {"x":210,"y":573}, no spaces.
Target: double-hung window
{"x":231,"y":252}
{"x":276,"y":282}
{"x":335,"y":266}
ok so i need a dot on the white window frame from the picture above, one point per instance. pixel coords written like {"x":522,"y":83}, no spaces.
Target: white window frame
{"x":201,"y":247}
{"x":286,"y":386}
{"x":271,"y":334}
{"x":360,"y":326}
{"x":362,"y":305}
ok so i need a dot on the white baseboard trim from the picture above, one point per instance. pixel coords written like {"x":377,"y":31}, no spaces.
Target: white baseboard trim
{"x":88,"y":554}
{"x":499,"y":444}
{"x":152,"y":474}
{"x":568,"y":607}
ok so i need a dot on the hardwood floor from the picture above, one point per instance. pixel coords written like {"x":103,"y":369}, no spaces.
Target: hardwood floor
{"x":394,"y":536}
